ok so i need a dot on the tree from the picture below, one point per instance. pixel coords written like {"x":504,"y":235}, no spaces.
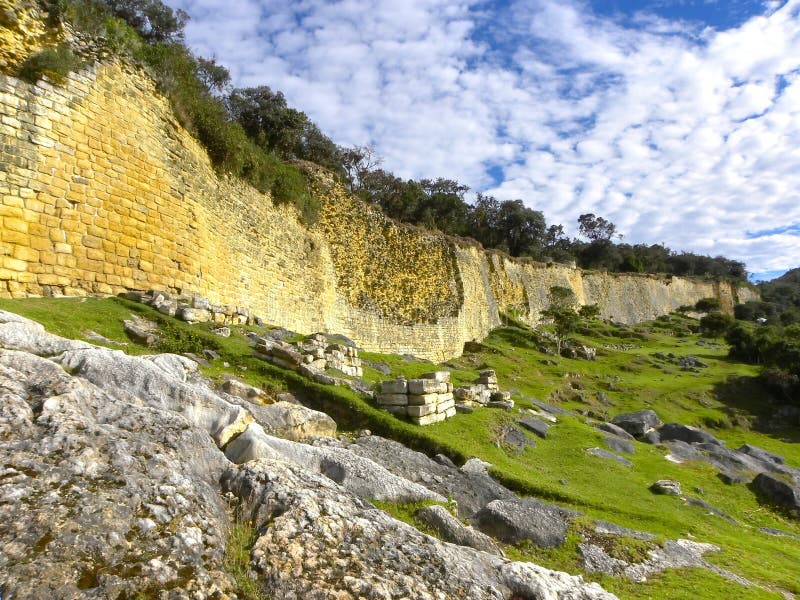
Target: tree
{"x":595,"y":228}
{"x":152,"y":19}
{"x":716,"y":324}
{"x":561,"y":309}
{"x":213,"y":75}
{"x":358,"y":162}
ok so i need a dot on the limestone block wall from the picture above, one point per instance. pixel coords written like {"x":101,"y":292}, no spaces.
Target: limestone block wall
{"x":102,"y":191}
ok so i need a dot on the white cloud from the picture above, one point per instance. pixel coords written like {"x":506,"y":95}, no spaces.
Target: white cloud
{"x":680,"y":135}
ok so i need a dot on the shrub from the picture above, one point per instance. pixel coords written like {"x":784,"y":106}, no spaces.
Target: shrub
{"x":55,"y":63}
{"x":707,"y":305}
{"x":716,"y":324}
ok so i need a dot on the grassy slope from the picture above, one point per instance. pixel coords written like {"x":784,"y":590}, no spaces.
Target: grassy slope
{"x":558,"y":468}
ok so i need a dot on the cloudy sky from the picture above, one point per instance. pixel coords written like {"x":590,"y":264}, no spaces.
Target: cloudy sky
{"x":678,"y":120}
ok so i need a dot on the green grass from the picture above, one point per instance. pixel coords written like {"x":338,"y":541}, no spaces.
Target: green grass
{"x":241,"y":539}
{"x":722,"y":398}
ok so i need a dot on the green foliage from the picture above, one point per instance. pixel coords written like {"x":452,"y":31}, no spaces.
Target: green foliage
{"x":241,"y":539}
{"x":707,"y":305}
{"x":589,"y":311}
{"x":180,"y":340}
{"x":55,"y":63}
{"x":595,"y":228}
{"x":716,"y":324}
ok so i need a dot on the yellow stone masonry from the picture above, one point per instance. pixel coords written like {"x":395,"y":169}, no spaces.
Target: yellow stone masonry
{"x":102,"y":191}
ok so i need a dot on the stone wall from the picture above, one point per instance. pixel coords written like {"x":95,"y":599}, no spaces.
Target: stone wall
{"x":102,"y":191}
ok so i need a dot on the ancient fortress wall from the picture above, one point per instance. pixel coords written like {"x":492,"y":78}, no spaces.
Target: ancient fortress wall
{"x":102,"y":191}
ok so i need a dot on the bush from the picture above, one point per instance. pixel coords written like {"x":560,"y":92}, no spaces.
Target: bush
{"x":55,"y":63}
{"x":716,"y":324}
{"x":707,"y":305}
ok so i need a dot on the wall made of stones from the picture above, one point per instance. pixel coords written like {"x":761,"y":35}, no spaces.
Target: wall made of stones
{"x":102,"y":191}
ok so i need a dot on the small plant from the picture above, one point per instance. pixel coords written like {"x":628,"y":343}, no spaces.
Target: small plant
{"x":240,"y":543}
{"x":178,"y":340}
{"x":55,"y":63}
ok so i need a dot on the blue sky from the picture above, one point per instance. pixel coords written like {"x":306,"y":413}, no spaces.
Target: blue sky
{"x":678,"y":120}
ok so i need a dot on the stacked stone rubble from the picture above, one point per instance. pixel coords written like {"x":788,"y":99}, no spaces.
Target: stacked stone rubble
{"x":485,"y":392}
{"x":312,"y":355}
{"x":194,"y":309}
{"x":428,"y":399}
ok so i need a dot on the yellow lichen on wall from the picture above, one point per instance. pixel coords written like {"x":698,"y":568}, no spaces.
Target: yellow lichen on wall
{"x":398,"y":272}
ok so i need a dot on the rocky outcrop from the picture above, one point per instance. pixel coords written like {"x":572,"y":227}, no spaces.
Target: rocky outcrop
{"x":110,"y":488}
{"x":319,"y":542}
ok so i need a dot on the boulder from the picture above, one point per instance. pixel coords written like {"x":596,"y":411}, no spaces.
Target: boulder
{"x":450,"y":529}
{"x":361,"y":476}
{"x":304,"y":519}
{"x":666,"y":487}
{"x":615,"y":430}
{"x":637,"y":423}
{"x":619,"y":445}
{"x":779,"y":492}
{"x":515,"y":521}
{"x":292,"y":421}
{"x":514,"y":438}
{"x":686,"y":433}
{"x":535,"y":425}
{"x":761,"y":455}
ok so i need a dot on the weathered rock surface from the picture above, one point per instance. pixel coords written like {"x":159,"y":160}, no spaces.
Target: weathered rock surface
{"x":779,"y":492}
{"x":535,"y":425}
{"x":677,"y":554}
{"x":528,"y":519}
{"x":686,"y":433}
{"x":361,"y":476}
{"x":637,"y":423}
{"x":452,"y":530}
{"x":289,"y":420}
{"x":102,"y":497}
{"x":471,"y":486}
{"x":147,"y":382}
{"x":600,"y":453}
{"x":318,"y":542}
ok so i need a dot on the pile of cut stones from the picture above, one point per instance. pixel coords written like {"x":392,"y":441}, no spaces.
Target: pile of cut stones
{"x":485,"y":392}
{"x":194,"y":309}
{"x":311,"y":356}
{"x":427,"y":399}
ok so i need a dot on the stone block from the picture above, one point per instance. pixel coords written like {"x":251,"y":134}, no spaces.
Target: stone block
{"x":194,"y":315}
{"x":450,"y":412}
{"x":393,"y":399}
{"x":440,"y":376}
{"x":421,"y":411}
{"x":419,"y":400}
{"x":396,"y":386}
{"x":429,"y":419}
{"x":426,"y":386}
{"x":445,"y":406}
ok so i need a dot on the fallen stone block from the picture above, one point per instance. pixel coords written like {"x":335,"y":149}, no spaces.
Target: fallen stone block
{"x":417,"y":400}
{"x":421,"y":411}
{"x":429,"y":419}
{"x":393,"y":399}
{"x":396,"y":386}
{"x":426,"y":386}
